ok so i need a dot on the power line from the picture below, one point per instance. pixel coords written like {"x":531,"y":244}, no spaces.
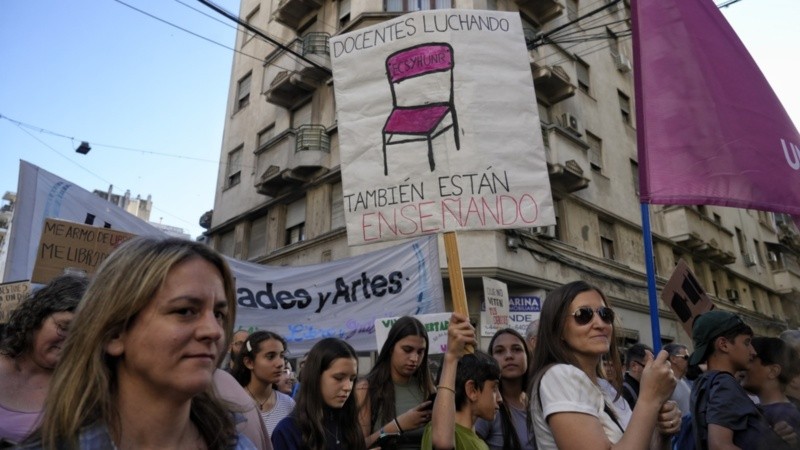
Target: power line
{"x":186,"y":30}
{"x":23,"y":125}
{"x":22,"y":128}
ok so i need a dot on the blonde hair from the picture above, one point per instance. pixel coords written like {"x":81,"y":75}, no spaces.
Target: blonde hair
{"x":83,"y":388}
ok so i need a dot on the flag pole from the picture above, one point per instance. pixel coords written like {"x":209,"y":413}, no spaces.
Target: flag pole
{"x":652,"y":296}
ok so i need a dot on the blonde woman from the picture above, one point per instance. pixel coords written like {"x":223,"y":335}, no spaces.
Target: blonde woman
{"x":137,"y":368}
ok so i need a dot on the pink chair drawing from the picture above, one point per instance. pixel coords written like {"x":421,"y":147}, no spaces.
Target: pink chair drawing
{"x":419,"y":122}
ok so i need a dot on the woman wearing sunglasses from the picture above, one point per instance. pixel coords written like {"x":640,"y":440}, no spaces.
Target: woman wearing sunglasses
{"x":568,"y":406}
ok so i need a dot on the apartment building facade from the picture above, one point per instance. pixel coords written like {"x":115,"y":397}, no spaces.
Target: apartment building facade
{"x":279,"y":193}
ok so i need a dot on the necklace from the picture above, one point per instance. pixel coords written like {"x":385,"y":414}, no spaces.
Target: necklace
{"x":260,"y":404}
{"x":335,"y":436}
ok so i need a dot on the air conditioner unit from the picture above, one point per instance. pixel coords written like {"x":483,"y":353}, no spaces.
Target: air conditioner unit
{"x":773,"y":257}
{"x":623,"y":63}
{"x":544,"y":232}
{"x":570,"y":122}
{"x":749,"y":259}
{"x":733,"y":295}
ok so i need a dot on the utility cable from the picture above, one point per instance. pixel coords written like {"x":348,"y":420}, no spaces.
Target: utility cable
{"x":187,"y":31}
{"x":23,"y":125}
{"x":22,"y":128}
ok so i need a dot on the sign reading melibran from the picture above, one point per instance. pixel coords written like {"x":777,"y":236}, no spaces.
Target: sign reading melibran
{"x":438,"y":126}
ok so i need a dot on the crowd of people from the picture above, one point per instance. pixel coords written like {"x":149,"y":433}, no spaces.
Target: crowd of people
{"x":145,"y":356}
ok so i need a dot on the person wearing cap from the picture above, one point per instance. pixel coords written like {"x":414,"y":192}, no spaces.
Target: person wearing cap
{"x":726,"y":418}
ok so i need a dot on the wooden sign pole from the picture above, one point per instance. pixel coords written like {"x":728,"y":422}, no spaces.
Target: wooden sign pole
{"x":457,"y":290}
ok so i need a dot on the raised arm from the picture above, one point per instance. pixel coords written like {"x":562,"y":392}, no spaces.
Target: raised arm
{"x":459,"y":334}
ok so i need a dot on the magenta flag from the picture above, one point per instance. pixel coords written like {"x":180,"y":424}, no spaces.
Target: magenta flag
{"x":710,"y":129}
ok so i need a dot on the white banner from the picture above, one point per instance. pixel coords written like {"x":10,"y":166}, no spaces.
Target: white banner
{"x":341,"y":298}
{"x":522,"y":310}
{"x":435,"y":326}
{"x":438,"y":126}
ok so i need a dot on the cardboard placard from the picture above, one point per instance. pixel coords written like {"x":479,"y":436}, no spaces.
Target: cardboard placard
{"x":494,"y":312}
{"x":72,"y":247}
{"x":11,"y":295}
{"x":684,"y":295}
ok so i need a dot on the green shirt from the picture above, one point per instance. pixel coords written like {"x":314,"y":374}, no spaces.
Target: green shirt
{"x":466,"y":439}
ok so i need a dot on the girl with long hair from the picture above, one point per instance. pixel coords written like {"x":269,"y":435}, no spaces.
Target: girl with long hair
{"x":136,"y":369}
{"x":509,"y":429}
{"x":259,"y":366}
{"x":325,"y":412}
{"x":393,"y":397}
{"x":568,"y":407}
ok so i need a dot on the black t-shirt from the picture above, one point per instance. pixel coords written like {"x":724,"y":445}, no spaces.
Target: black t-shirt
{"x":728,"y":406}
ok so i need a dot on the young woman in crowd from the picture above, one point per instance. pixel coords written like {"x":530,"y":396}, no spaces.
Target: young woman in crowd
{"x":393,"y":397}
{"x":568,"y":406}
{"x":509,"y":429}
{"x":259,"y":368}
{"x":28,"y":355}
{"x":136,"y":370}
{"x":775,"y":365}
{"x":325,"y":413}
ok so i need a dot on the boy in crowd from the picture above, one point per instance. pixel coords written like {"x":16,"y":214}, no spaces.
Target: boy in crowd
{"x":724,"y":416}
{"x":468,"y":389}
{"x":774,"y":367}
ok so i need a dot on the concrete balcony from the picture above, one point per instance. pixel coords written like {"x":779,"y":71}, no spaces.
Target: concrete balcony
{"x":786,"y":280}
{"x":292,"y":12}
{"x":291,"y":159}
{"x":552,"y":83}
{"x":289,"y":88}
{"x":566,"y":155}
{"x":542,"y":11}
{"x":702,"y":236}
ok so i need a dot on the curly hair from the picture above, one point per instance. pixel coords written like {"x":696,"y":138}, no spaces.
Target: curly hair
{"x":62,"y":294}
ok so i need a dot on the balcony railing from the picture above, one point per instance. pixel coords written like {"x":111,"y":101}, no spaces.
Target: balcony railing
{"x":292,"y":158}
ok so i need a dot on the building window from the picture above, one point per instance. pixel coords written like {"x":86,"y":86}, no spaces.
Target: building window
{"x":583,"y":75}
{"x":243,"y":92}
{"x":296,"y":221}
{"x":265,"y":136}
{"x":740,"y":241}
{"x":227,"y":242}
{"x":607,"y":239}
{"x":344,"y":13}
{"x":250,"y":20}
{"x":572,"y":9}
{"x":257,"y":245}
{"x":635,"y":176}
{"x":625,"y":107}
{"x":416,"y":5}
{"x":337,"y":207}
{"x":595,"y":152}
{"x":233,"y":170}
{"x":759,"y":253}
{"x":717,"y":219}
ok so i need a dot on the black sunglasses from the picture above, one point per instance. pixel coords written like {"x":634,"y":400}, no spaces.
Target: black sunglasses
{"x":585,"y":314}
